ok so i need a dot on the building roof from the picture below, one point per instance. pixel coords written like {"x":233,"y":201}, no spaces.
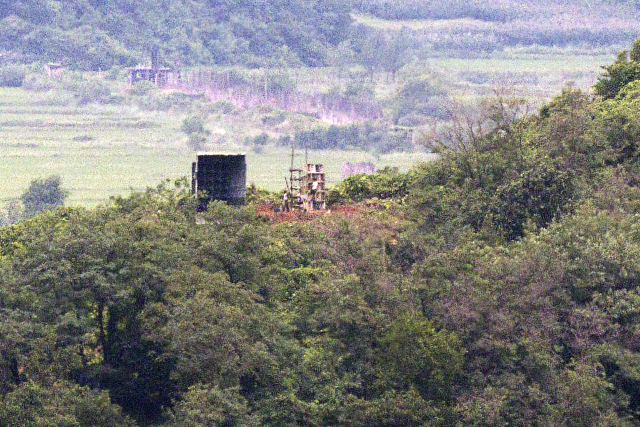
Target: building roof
{"x":214,"y":153}
{"x":149,"y":69}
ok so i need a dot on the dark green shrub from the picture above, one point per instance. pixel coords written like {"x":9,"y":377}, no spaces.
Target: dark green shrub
{"x":155,"y":101}
{"x":11,"y":76}
{"x":388,"y":183}
{"x":420,"y":98}
{"x":617,"y":75}
{"x":540,"y":193}
{"x":411,"y":120}
{"x":142,"y":88}
{"x":261,"y":139}
{"x":224,"y":107}
{"x":38,"y":83}
{"x":274,"y":119}
{"x":43,"y":195}
{"x":197,"y":134}
{"x":90,"y":91}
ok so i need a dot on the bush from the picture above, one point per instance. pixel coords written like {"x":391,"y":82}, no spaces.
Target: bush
{"x":57,"y":97}
{"x":261,"y":139}
{"x":411,"y":120}
{"x":274,"y":119}
{"x":617,"y":75}
{"x":43,"y":195}
{"x":257,"y":141}
{"x":10,"y":213}
{"x":193,"y":124}
{"x":224,"y":107}
{"x":68,"y":86}
{"x":197,"y":134}
{"x":142,"y":88}
{"x":365,"y":137}
{"x":89,"y":92}
{"x":540,"y":193}
{"x":420,"y":98}
{"x":116,"y":100}
{"x":115,"y":74}
{"x":176,"y":100}
{"x":387,"y":183}
{"x":280,"y":84}
{"x":38,"y":83}
{"x":11,"y":76}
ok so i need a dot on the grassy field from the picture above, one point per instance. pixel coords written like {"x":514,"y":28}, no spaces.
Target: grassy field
{"x":105,"y":150}
{"x":534,"y":77}
{"x":534,"y":71}
{"x":419,"y":24}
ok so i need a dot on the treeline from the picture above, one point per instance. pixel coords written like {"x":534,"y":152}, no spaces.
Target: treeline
{"x":498,"y":12}
{"x":419,"y":9}
{"x":505,"y":24}
{"x":497,"y":285}
{"x":358,"y":137}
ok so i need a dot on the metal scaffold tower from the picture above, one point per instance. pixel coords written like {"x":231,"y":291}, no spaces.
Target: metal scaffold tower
{"x":306,"y":188}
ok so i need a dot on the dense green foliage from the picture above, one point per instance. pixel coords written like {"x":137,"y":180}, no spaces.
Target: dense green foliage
{"x":93,"y":35}
{"x":416,"y":9}
{"x":498,"y":286}
{"x":625,"y":70}
{"x":11,"y":76}
{"x":96,"y":34}
{"x":386,"y":184}
{"x":515,"y":26}
{"x":193,"y":127}
{"x":365,"y":137}
{"x":43,"y":195}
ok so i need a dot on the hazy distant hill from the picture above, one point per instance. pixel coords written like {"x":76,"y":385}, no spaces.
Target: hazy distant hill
{"x":97,"y":34}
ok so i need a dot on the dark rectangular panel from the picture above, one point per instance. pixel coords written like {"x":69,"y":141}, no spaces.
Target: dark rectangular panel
{"x":221,"y":177}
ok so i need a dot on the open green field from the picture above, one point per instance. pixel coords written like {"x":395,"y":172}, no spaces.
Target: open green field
{"x":101,"y":150}
{"x":418,"y":24}
{"x":105,"y":150}
{"x":535,"y":75}
{"x":535,"y":71}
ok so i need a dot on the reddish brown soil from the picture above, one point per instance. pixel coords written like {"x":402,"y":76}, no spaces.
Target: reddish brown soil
{"x":297,"y":215}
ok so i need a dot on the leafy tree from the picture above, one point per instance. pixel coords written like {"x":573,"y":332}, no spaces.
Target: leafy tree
{"x":396,"y":53}
{"x":97,"y":35}
{"x":60,"y":404}
{"x":497,"y":285}
{"x":11,"y":76}
{"x":43,"y":195}
{"x":368,"y":45}
{"x":622,"y":72}
{"x":211,"y":407}
{"x":11,"y":213}
{"x":418,"y":355}
{"x":193,"y":127}
{"x":615,"y":128}
{"x":539,"y":194}
{"x":421,"y":98}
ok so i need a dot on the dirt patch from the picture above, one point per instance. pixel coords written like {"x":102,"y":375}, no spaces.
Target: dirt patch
{"x":276,"y":215}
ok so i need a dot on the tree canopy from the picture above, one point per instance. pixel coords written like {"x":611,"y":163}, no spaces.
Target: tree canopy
{"x":497,"y":285}
{"x":43,"y":195}
{"x":95,"y":34}
{"x":623,"y":71}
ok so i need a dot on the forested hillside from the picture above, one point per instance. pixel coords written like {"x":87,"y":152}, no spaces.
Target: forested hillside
{"x":495,"y":286}
{"x":98,"y":34}
{"x":93,"y":35}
